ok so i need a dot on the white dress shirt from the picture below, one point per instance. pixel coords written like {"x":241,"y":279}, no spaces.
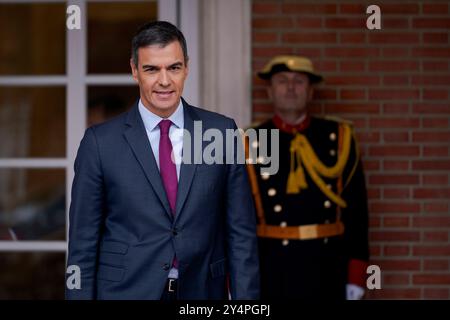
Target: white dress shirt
{"x":151,"y":123}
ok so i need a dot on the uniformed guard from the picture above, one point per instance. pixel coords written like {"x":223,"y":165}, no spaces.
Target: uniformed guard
{"x":312,"y":214}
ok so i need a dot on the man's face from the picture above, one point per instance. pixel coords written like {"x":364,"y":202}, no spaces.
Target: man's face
{"x":290,"y":91}
{"x":160,"y":73}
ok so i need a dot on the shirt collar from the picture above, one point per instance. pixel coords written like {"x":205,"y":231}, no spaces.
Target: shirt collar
{"x":152,"y":120}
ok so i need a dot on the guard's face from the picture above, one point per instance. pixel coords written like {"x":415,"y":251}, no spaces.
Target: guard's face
{"x":160,"y":73}
{"x":290,"y":92}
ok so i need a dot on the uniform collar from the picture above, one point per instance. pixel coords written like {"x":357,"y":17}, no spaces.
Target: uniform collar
{"x":289,"y":128}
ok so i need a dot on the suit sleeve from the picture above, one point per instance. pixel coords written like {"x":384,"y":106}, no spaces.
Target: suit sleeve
{"x":355,"y":218}
{"x":241,"y":231}
{"x":86,"y":216}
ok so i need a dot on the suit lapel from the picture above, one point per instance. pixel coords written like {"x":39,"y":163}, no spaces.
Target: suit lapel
{"x":187,"y":171}
{"x":137,"y":138}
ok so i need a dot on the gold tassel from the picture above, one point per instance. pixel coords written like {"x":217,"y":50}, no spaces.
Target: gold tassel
{"x":300,"y":173}
{"x":300,"y":178}
{"x":292,"y":186}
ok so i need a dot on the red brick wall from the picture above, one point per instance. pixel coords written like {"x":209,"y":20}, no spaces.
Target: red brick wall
{"x":394,"y":84}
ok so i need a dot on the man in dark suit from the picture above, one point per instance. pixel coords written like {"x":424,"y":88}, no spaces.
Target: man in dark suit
{"x":312,"y":214}
{"x":143,"y":226}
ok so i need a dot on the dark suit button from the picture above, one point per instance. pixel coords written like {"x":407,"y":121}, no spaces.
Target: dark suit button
{"x":166,"y":266}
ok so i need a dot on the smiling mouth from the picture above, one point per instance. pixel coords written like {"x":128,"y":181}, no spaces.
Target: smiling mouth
{"x":164,"y":94}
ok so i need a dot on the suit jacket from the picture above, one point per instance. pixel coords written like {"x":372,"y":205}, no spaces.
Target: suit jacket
{"x":123,"y":236}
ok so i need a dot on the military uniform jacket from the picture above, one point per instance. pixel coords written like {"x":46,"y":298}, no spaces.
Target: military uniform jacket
{"x":318,"y":266}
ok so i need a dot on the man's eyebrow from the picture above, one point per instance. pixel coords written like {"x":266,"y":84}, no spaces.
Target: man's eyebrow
{"x":176,"y":64}
{"x":149,"y":66}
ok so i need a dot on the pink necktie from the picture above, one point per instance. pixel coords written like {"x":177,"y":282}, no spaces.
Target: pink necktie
{"x":167,"y":168}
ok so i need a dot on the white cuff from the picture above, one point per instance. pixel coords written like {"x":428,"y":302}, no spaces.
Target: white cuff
{"x":354,"y":292}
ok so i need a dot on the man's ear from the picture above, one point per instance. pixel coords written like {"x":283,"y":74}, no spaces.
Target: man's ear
{"x":134,"y":70}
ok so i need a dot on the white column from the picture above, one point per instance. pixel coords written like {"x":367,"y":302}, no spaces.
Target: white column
{"x":189,"y":25}
{"x":167,"y":10}
{"x":76,"y":48}
{"x":226,"y":58}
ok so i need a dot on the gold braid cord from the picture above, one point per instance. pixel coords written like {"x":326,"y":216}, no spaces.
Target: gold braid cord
{"x":302,"y":151}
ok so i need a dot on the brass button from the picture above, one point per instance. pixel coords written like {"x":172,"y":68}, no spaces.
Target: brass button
{"x":327,"y":204}
{"x":285,"y":242}
{"x":332,"y":136}
{"x":265,"y":176}
{"x":271,"y":192}
{"x":332,"y":152}
{"x":260,"y":160}
{"x":249,"y":161}
{"x":277,"y":208}
{"x":283,"y":224}
{"x":255,"y":144}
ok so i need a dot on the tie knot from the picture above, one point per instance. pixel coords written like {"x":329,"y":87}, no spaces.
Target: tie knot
{"x":164,"y":126}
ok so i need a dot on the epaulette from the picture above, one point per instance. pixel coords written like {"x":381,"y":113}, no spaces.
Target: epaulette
{"x":253,"y":125}
{"x":336,"y":119}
